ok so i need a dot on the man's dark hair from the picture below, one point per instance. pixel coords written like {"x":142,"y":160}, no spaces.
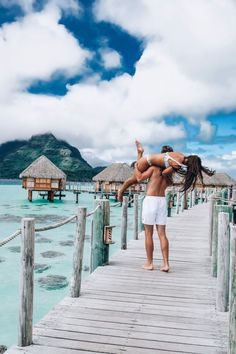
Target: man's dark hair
{"x":166,"y":148}
{"x":132,"y":164}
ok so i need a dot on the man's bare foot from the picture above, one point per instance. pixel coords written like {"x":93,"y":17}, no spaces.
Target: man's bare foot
{"x":139,"y":146}
{"x":148,"y":266}
{"x":165,"y":268}
{"x":120,"y":196}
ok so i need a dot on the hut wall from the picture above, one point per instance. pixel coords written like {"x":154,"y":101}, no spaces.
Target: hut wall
{"x":43,"y":184}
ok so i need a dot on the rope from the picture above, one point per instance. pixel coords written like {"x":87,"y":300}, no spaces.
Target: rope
{"x":115,"y":205}
{"x":45,"y":228}
{"x":92,"y":212}
{"x":225,"y":200}
{"x":142,"y":197}
{"x":11,"y":237}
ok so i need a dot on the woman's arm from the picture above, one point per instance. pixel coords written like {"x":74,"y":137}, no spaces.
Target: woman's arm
{"x":168,"y":171}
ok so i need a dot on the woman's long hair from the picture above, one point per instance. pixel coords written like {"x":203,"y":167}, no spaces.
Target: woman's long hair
{"x":194,"y":171}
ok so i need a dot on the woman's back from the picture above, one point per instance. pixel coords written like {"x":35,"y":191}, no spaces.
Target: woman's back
{"x":167,"y":159}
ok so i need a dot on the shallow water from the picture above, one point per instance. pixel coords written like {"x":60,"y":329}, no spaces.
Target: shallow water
{"x":53,"y":251}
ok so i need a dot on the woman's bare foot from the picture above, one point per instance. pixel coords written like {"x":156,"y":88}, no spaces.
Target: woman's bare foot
{"x":139,"y":146}
{"x":165,"y":268}
{"x":148,"y":266}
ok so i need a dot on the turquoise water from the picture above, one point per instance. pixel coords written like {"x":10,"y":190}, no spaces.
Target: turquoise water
{"x":13,"y":206}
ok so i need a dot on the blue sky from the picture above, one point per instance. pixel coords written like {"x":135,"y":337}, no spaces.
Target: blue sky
{"x":100,"y":73}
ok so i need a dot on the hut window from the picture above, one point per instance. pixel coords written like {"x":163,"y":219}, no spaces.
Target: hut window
{"x":30,"y":184}
{"x":55,"y":184}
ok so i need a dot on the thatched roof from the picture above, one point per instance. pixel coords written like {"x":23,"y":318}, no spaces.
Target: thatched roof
{"x":117,"y":172}
{"x":43,"y":168}
{"x":217,"y":180}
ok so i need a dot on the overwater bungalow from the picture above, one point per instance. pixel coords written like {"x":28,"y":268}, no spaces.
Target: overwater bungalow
{"x":112,"y":177}
{"x":218,"y":181}
{"x":43,"y":176}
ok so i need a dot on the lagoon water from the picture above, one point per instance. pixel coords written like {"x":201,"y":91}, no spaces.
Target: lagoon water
{"x":53,"y":251}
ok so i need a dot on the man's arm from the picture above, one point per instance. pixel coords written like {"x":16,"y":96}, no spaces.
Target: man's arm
{"x":145,"y":175}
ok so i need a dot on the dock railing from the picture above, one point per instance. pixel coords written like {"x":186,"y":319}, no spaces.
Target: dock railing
{"x":101,"y":238}
{"x":222,"y":249}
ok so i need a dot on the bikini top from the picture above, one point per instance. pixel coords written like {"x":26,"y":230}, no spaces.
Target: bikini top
{"x":166,"y":159}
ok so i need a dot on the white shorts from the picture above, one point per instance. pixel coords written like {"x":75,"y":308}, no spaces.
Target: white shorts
{"x":154,"y":210}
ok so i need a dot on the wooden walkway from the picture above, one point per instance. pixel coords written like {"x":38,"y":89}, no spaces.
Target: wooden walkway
{"x":125,"y":309}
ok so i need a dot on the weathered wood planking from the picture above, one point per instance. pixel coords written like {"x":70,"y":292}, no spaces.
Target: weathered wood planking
{"x":124,"y":308}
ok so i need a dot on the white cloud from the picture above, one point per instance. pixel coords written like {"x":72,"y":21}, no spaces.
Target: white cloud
{"x":26,"y":5}
{"x":207,"y":131}
{"x":35,"y":48}
{"x":110,"y":58}
{"x":187,"y":68}
{"x":230,"y":157}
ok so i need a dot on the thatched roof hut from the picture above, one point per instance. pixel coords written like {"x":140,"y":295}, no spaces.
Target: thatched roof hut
{"x":42,"y":167}
{"x":217,"y":180}
{"x":113,"y":176}
{"x":43,"y":175}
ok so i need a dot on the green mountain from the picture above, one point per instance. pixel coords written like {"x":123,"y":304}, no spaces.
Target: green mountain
{"x":16,"y":155}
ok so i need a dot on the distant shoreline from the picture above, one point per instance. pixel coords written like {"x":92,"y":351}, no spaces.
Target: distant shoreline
{"x":10,"y":181}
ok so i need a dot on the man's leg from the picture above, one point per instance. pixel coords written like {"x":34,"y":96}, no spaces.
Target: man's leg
{"x":161,"y":230}
{"x":149,"y":246}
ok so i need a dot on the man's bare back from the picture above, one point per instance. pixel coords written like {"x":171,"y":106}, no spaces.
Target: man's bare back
{"x":157,"y":183}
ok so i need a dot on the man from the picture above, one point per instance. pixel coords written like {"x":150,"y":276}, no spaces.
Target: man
{"x":155,"y":213}
{"x":154,"y":208}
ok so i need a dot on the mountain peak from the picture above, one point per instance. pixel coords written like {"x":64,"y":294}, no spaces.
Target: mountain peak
{"x":17,"y":155}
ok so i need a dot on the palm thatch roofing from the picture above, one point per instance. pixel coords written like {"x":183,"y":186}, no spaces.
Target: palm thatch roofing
{"x":117,"y":172}
{"x":217,"y":180}
{"x":42,"y":167}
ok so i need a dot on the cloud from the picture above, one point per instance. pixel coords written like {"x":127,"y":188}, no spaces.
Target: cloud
{"x":110,"y":58}
{"x":230,"y":157}
{"x":190,"y":50}
{"x":207,"y":131}
{"x":45,"y":48}
{"x":26,"y":5}
{"x":187,"y":69}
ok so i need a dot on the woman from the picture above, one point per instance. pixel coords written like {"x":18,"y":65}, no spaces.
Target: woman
{"x":190,"y":167}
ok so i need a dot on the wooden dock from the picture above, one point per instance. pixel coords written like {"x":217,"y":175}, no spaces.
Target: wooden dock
{"x":125,"y":309}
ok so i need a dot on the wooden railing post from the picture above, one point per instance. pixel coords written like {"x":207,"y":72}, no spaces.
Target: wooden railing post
{"x":190,"y":199}
{"x":194,"y":197}
{"x":124,"y":221}
{"x":216,"y":211}
{"x":99,"y":250}
{"x":168,"y":202}
{"x":177,"y":202}
{"x":135,"y":216}
{"x":183,"y":202}
{"x":232,"y":289}
{"x":211,"y":210}
{"x":26,"y":282}
{"x":141,"y":225}
{"x":78,"y":253}
{"x":222,"y":291}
